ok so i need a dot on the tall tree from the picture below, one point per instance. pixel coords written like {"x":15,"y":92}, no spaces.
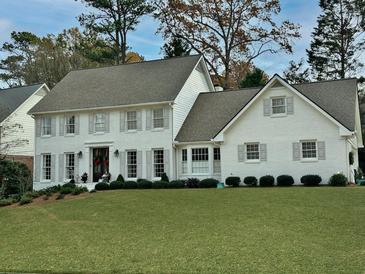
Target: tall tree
{"x":337,"y":41}
{"x":115,"y":19}
{"x":226,"y":31}
{"x":296,"y":72}
{"x":254,"y":78}
{"x":11,"y":136}
{"x":175,"y":47}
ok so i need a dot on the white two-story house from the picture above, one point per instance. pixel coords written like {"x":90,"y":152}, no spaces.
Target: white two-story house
{"x":144,"y":119}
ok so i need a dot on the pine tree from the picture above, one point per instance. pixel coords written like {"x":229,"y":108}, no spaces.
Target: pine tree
{"x":175,"y":47}
{"x":337,"y":41}
{"x":254,"y":78}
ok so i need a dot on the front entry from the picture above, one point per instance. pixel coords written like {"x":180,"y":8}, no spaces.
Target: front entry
{"x":100,"y":162}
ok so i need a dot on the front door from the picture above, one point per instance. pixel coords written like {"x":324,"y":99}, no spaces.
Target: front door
{"x":100,"y":162}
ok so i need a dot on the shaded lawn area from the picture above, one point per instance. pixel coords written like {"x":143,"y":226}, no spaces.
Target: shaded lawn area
{"x":246,"y":230}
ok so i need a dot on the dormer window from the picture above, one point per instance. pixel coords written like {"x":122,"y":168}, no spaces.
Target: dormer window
{"x":278,"y":105}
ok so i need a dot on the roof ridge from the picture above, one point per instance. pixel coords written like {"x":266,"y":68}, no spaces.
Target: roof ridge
{"x":21,"y":86}
{"x":231,"y":90}
{"x":325,"y":81}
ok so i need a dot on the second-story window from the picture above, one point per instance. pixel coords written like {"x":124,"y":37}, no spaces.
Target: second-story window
{"x":131,"y":120}
{"x":46,"y":126}
{"x":99,"y":122}
{"x":70,"y":124}
{"x":158,"y":118}
{"x":278,"y":105}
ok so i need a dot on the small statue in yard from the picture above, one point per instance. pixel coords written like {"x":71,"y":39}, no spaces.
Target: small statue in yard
{"x":106,"y":177}
{"x":84,"y":177}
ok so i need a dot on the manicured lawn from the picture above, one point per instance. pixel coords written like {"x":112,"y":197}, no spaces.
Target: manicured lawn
{"x":246,"y":230}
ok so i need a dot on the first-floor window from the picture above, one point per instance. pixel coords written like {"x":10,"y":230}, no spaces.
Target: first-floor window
{"x":217,"y":160}
{"x":46,"y":126}
{"x":199,"y":159}
{"x":70,"y":124}
{"x":252,"y":151}
{"x":132,"y":164}
{"x":309,"y":149}
{"x":70,"y":165}
{"x":184,"y":161}
{"x":46,"y":166}
{"x":158,"y":162}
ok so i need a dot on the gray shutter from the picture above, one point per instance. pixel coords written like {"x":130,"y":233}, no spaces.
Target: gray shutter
{"x":263,"y":152}
{"x":122,"y":156}
{"x":321,"y":150}
{"x":166,"y":118}
{"x":296,"y":151}
{"x":139,"y":120}
{"x":77,"y":124}
{"x":290,"y":105}
{"x":139,"y":164}
{"x":91,"y":123}
{"x":241,"y":153}
{"x":61,"y":167}
{"x":122,"y":121}
{"x":166,"y":161}
{"x":38,"y":126}
{"x":267,"y":110}
{"x":148,"y":119}
{"x":62,"y":125}
{"x":53,"y":168}
{"x":76,"y":167}
{"x":149,"y":164}
{"x":53,"y":126}
{"x":37,"y":168}
{"x":107,"y":122}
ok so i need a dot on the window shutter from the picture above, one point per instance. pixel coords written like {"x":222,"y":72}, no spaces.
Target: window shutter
{"x":122,"y":121}
{"x":267,"y":110}
{"x":38,"y":126}
{"x":241,"y":153}
{"x":77,"y":124}
{"x":263,"y":152}
{"x":76,"y":171}
{"x":321,"y":150}
{"x":290,"y":105}
{"x":91,"y":123}
{"x":107,"y":122}
{"x":139,"y":120}
{"x":53,"y":126}
{"x":139,"y":164}
{"x":123,"y":168}
{"x":149,"y":164}
{"x":62,"y":125}
{"x":166,"y":161}
{"x":166,"y":118}
{"x":37,"y":168}
{"x":53,"y":168}
{"x":296,"y":151}
{"x":61,"y":168}
{"x":148,"y":119}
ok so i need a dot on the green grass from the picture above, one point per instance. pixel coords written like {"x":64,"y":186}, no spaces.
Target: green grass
{"x":246,"y":230}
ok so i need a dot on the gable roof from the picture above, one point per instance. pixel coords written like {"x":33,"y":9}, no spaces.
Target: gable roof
{"x":12,"y":98}
{"x":137,"y":83}
{"x":211,"y":112}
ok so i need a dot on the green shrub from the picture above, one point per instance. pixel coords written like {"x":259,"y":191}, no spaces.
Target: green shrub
{"x":233,"y":181}
{"x":6,"y":202}
{"x":311,"y":180}
{"x":192,"y":183}
{"x":93,"y":191}
{"x":129,"y":185}
{"x":267,"y":181}
{"x":52,"y":189}
{"x":144,"y":184}
{"x":79,"y":190}
{"x":208,"y":183}
{"x":69,"y":185}
{"x":165,"y":178}
{"x":250,"y":181}
{"x":25,"y":199}
{"x":176,"y":184}
{"x":102,"y":186}
{"x":285,"y":180}
{"x":120,"y":178}
{"x":338,"y":180}
{"x":18,"y":178}
{"x":60,"y":196}
{"x":66,"y":190}
{"x":159,"y":184}
{"x":116,"y":185}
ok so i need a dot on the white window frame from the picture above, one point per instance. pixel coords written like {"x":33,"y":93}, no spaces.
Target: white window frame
{"x":302,"y":142}
{"x":184,"y":161}
{"x":70,"y":169}
{"x":70,"y":125}
{"x":159,"y":119}
{"x":101,"y":122}
{"x":46,"y":169}
{"x":45,"y":126}
{"x":132,"y":162}
{"x":278,"y":106}
{"x":199,"y":165}
{"x":217,"y":160}
{"x":131,"y":120}
{"x":249,"y":150}
{"x":158,"y":163}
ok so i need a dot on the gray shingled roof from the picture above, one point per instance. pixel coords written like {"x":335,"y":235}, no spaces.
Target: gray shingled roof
{"x":12,"y":98}
{"x":137,"y":83}
{"x":213,"y":111}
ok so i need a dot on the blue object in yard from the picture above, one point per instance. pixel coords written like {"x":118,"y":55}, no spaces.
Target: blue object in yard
{"x":220,"y":185}
{"x":360,"y":182}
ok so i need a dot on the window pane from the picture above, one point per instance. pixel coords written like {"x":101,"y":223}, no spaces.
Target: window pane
{"x":70,"y":166}
{"x":158,"y":162}
{"x":131,"y":120}
{"x":46,"y":167}
{"x":46,"y":126}
{"x":217,"y":154}
{"x":70,"y":124}
{"x":158,"y":118}
{"x":278,"y":105}
{"x":99,"y":122}
{"x":132,"y":164}
{"x":200,"y":162}
{"x":309,"y":149}
{"x":252,"y":151}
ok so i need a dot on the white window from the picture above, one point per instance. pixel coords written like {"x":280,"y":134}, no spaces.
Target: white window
{"x":158,"y":163}
{"x":132,"y":164}
{"x":278,"y":105}
{"x":158,"y":118}
{"x":46,"y":126}
{"x":217,"y":160}
{"x":131,"y":120}
{"x":200,"y":159}
{"x":70,"y":124}
{"x":99,"y":122}
{"x":46,"y":166}
{"x":252,"y":151}
{"x":70,"y":166}
{"x":217,"y":154}
{"x":184,"y":161}
{"x":309,"y":149}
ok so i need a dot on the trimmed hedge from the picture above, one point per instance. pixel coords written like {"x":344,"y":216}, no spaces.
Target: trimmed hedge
{"x":144,"y":184}
{"x":79,"y":190}
{"x":285,"y":180}
{"x":338,"y":180}
{"x":165,"y":178}
{"x":66,"y":190}
{"x":120,"y":178}
{"x":250,"y":181}
{"x":311,"y":180}
{"x":69,"y":185}
{"x":26,"y":199}
{"x":6,"y":202}
{"x":208,"y":183}
{"x":176,"y":184}
{"x":116,"y":185}
{"x":192,"y":183}
{"x":129,"y":185}
{"x":267,"y":181}
{"x":233,"y":181}
{"x":159,"y":184}
{"x":102,"y":186}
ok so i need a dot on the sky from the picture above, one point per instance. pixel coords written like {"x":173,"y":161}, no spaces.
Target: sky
{"x":52,"y":16}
